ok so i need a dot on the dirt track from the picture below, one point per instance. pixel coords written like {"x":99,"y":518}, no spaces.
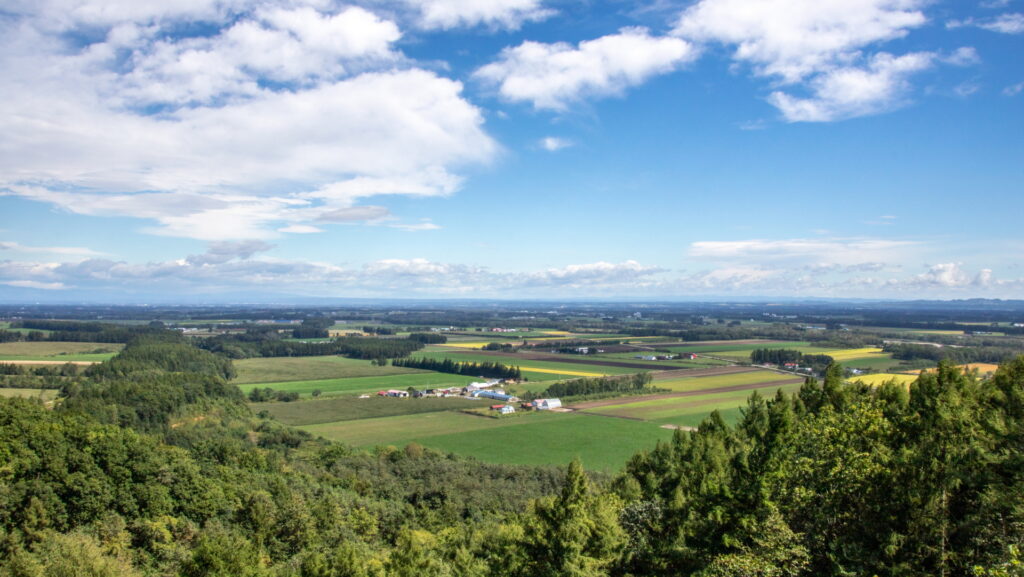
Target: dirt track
{"x":729,"y":389}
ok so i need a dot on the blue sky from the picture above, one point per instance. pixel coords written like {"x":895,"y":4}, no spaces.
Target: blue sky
{"x":220,"y":149}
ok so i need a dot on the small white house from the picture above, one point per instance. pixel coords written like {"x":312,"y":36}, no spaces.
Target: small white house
{"x":507,"y":410}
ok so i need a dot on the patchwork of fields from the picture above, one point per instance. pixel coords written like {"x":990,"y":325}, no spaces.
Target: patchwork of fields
{"x":603,"y":433}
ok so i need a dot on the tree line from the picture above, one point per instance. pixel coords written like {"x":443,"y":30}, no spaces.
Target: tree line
{"x":592,"y":386}
{"x":487,"y":370}
{"x":958,"y":355}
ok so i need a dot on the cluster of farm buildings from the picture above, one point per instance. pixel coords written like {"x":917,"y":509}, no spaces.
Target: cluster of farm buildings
{"x":481,"y":390}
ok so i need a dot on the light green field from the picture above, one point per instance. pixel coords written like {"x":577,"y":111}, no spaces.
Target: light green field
{"x":700,"y":383}
{"x":720,"y":348}
{"x":353,"y":408}
{"x":280,"y":369}
{"x":567,"y":369}
{"x":542,"y":438}
{"x":685,"y":411}
{"x":878,"y":362}
{"x":672,"y":364}
{"x":58,"y":351}
{"x":364,"y":385}
{"x":44,"y":394}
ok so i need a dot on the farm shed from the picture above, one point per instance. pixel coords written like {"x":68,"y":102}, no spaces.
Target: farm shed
{"x":507,"y":410}
{"x":545,"y":404}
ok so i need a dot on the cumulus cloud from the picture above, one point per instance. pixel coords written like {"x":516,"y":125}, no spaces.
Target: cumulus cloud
{"x":505,"y":14}
{"x":881,"y":85}
{"x":553,"y":76}
{"x":290,"y":113}
{"x":821,"y":47}
{"x":793,"y":39}
{"x":594,"y":274}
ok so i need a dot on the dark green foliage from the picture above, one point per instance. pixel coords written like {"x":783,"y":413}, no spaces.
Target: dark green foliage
{"x":959,"y":355}
{"x":428,"y":338}
{"x":266,"y":394}
{"x":486,"y":370}
{"x":783,"y":356}
{"x":591,"y":386}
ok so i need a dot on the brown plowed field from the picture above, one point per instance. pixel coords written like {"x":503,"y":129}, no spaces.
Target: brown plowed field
{"x":729,"y":389}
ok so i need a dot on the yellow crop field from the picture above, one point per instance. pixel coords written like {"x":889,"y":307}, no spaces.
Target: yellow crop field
{"x":983,"y":368}
{"x":850,"y":354}
{"x":561,"y":333}
{"x":560,"y":372}
{"x":879,"y":378}
{"x":467,"y":345}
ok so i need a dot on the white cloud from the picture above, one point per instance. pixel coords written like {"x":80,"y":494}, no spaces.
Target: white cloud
{"x":793,"y":39}
{"x":594,"y":274}
{"x":554,"y":144}
{"x":1009,"y":23}
{"x":803,"y":252}
{"x":71,"y":251}
{"x":1014,"y":90}
{"x":849,"y":92}
{"x":553,"y":76}
{"x":271,"y":125}
{"x":951,"y":275}
{"x":35,"y":284}
{"x":278,"y":45}
{"x":507,"y":14}
{"x":821,"y":46}
{"x":300,"y":229}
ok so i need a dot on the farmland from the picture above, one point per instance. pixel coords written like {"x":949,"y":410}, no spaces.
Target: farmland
{"x":348,"y":409}
{"x":57,"y":351}
{"x":277,"y":369}
{"x":364,"y":385}
{"x":543,"y":438}
{"x":687,"y":411}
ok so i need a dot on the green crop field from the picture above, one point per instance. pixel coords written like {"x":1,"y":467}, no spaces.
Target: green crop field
{"x":353,"y":408}
{"x":543,"y":438}
{"x":601,"y":443}
{"x":364,"y":385}
{"x":568,"y":369}
{"x":733,"y":379}
{"x":684,"y":411}
{"x":734,"y":348}
{"x":672,"y":364}
{"x":58,"y":351}
{"x":279,"y":369}
{"x":44,"y":394}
